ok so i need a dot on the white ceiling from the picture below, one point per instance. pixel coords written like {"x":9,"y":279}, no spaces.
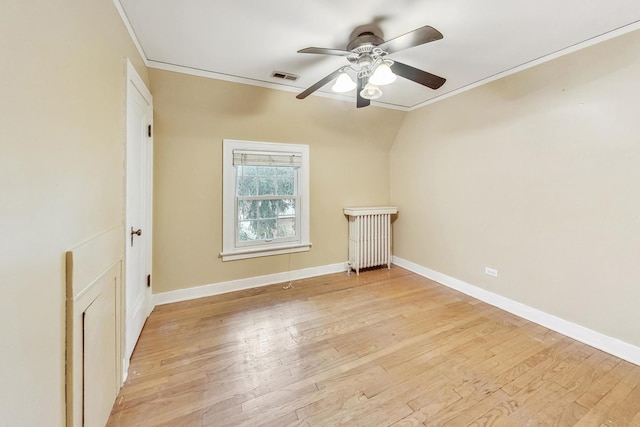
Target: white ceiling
{"x":246,"y":40}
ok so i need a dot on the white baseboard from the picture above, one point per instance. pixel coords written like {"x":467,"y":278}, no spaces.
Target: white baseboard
{"x":587,"y":336}
{"x":240,"y":284}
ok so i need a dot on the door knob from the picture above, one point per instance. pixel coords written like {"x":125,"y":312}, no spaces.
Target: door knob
{"x":137,"y":232}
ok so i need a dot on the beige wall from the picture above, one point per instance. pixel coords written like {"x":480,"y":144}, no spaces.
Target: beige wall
{"x":62,"y":127}
{"x":349,"y":154}
{"x":538,"y":176}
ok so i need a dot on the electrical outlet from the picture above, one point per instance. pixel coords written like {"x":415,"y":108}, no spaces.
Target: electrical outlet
{"x":491,"y":271}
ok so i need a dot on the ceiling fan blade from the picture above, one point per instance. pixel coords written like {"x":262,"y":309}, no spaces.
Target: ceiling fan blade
{"x":319,"y":84}
{"x":325,"y":51}
{"x":408,"y":72}
{"x":360,"y":101}
{"x":417,"y":37}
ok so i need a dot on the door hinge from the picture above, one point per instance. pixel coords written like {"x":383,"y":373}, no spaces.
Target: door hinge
{"x":149,"y":131}
{"x":148,"y":280}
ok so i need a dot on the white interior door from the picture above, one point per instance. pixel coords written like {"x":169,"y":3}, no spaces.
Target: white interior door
{"x":139,"y":170}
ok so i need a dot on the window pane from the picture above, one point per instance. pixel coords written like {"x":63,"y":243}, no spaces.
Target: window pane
{"x":246,"y":230}
{"x":266,"y":229}
{"x":247,"y":186}
{"x":267,"y":187}
{"x":266,"y":219}
{"x":285,"y":207}
{"x":246,"y":170}
{"x":285,"y":186}
{"x":267,"y":209}
{"x":248,"y":209}
{"x":267,"y":181}
{"x":287,"y":227}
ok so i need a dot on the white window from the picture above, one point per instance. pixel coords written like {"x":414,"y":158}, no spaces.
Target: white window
{"x":265,"y":199}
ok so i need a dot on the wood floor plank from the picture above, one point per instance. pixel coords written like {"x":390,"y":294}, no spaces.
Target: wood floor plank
{"x":385,"y":348}
{"x":598,"y":415}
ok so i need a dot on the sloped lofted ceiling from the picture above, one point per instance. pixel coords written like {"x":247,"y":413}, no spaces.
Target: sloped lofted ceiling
{"x":246,"y":41}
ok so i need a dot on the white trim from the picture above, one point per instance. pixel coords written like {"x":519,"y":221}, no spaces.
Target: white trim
{"x":93,"y":258}
{"x":587,"y":336}
{"x":250,"y":282}
{"x":226,"y":77}
{"x":134,"y":77}
{"x":230,"y":249}
{"x":260,"y":83}
{"x":557,"y":54}
{"x":265,"y":251}
{"x":235,"y":79}
{"x":132,"y":33}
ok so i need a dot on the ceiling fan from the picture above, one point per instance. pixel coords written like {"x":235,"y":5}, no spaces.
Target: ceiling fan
{"x":366,"y":54}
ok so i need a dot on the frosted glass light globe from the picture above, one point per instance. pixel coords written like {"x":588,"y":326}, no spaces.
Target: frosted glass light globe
{"x":343,"y":84}
{"x":383,"y":75}
{"x":371,"y":92}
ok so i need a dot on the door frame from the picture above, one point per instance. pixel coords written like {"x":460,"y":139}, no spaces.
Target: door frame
{"x":135,"y":83}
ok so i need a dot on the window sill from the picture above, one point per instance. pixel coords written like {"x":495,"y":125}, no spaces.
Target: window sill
{"x":260,"y":252}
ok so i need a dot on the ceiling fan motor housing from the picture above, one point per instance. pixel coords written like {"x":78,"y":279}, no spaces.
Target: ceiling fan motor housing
{"x":364,"y":39}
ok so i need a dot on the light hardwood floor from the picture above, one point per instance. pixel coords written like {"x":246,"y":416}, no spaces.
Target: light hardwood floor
{"x":386,"y":348}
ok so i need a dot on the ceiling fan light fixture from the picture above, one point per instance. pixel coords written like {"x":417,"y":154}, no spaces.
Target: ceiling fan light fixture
{"x":371,"y":91}
{"x":383,"y":75}
{"x":366,"y":54}
{"x":343,"y":84}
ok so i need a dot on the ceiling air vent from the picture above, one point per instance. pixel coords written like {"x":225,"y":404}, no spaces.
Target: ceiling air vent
{"x":284,"y":76}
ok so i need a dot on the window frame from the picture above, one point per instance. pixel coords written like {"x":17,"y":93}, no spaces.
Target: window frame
{"x":231,"y":248}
